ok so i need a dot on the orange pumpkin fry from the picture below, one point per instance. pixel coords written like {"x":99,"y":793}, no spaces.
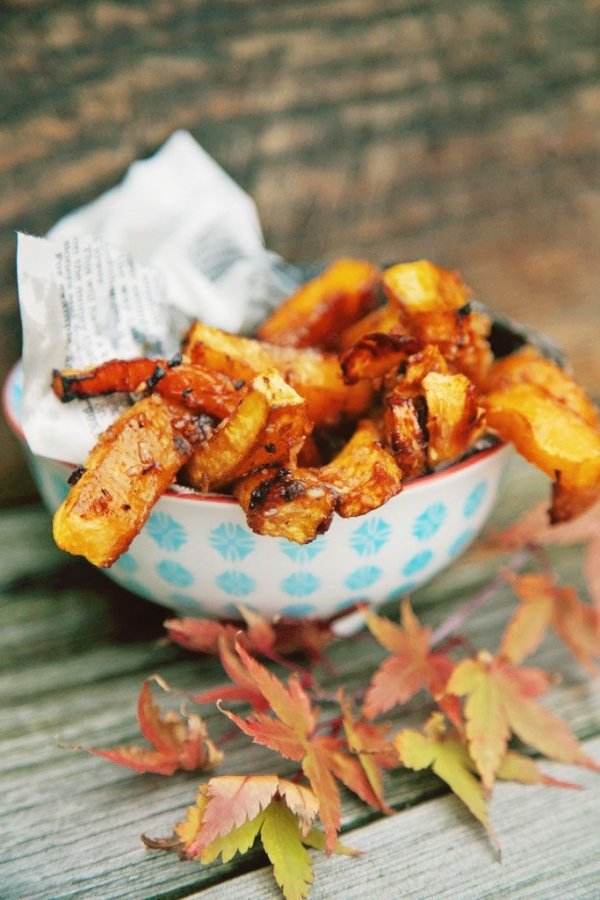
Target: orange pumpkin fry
{"x":318,"y":311}
{"x":546,"y":433}
{"x":530,"y":367}
{"x":268,"y":426}
{"x":116,"y":375}
{"x":132,"y":464}
{"x":286,"y":502}
{"x":384,"y":319}
{"x":192,"y":385}
{"x":422,"y":287}
{"x":314,"y":374}
{"x":374,"y":355}
{"x":454,"y":419}
{"x":363,"y":473}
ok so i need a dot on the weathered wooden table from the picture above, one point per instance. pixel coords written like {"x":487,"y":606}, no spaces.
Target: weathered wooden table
{"x":74,"y":650}
{"x":467,"y":132}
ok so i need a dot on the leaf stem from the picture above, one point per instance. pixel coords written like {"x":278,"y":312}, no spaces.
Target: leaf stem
{"x":460,"y":615}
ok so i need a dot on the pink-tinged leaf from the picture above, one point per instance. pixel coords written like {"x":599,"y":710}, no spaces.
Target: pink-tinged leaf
{"x":290,"y":705}
{"x":232,"y":800}
{"x":200,"y":635}
{"x":270,"y":733}
{"x":412,"y":667}
{"x":244,"y":687}
{"x":138,"y":758}
{"x":301,"y":801}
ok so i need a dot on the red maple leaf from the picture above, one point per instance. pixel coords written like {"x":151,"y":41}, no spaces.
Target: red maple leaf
{"x":178,"y":741}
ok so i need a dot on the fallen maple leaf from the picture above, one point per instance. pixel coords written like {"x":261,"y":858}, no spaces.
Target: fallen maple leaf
{"x":232,"y":810}
{"x":293,"y":735}
{"x":546,"y":605}
{"x":273,"y":640}
{"x":500,"y":699}
{"x":179,"y":741}
{"x":447,"y":755}
{"x":372,"y":746}
{"x":534,"y":528}
{"x":413,"y":665}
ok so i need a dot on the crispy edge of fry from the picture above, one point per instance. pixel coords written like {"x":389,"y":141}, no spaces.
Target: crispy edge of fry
{"x":405,"y":432}
{"x":546,"y":433}
{"x":570,"y":502}
{"x":374,"y":355}
{"x":383,"y":319}
{"x":112,"y":376}
{"x":286,"y":502}
{"x":454,"y":418}
{"x":314,"y":374}
{"x":315,"y":314}
{"x":134,"y":461}
{"x":364,"y":473}
{"x":269,"y":425}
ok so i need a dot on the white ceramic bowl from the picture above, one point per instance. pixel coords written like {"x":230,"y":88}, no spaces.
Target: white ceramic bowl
{"x":197,"y":556}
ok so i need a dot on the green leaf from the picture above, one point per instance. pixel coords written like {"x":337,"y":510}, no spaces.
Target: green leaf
{"x":282,"y":840}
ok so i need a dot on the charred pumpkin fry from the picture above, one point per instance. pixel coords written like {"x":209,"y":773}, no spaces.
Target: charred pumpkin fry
{"x":454,"y":418}
{"x":318,"y":311}
{"x":268,"y":426}
{"x":384,"y":319}
{"x":315,"y":375}
{"x":132,"y":464}
{"x":286,"y":502}
{"x":363,"y":473}
{"x":374,"y":355}
{"x":192,"y":385}
{"x":405,"y":432}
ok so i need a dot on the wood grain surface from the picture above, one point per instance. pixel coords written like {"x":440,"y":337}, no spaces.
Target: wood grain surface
{"x":73,"y":651}
{"x":466,"y":131}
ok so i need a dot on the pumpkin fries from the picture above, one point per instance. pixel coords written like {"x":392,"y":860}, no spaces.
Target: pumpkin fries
{"x":360,"y":381}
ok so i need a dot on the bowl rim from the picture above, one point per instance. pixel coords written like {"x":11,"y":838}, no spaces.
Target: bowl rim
{"x":16,"y":427}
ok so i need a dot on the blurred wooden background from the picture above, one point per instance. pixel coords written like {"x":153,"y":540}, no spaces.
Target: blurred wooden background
{"x":467,"y":131}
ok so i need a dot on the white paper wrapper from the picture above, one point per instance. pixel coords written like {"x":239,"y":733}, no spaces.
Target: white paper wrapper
{"x":124,"y":276}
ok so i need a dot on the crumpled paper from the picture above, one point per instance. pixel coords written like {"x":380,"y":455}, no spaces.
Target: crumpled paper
{"x":124,"y":276}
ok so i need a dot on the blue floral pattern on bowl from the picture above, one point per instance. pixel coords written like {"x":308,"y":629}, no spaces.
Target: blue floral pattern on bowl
{"x":475,"y":499}
{"x":429,"y":521}
{"x":303,"y":553}
{"x":238,"y":584}
{"x":459,"y":543}
{"x":362,"y":578}
{"x":300,"y":584}
{"x":166,"y":531}
{"x":232,"y":541}
{"x":174,"y":573}
{"x":371,"y":536}
{"x":417,"y":562}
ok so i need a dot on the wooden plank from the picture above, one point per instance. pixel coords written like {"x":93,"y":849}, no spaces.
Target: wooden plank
{"x":549,"y":839}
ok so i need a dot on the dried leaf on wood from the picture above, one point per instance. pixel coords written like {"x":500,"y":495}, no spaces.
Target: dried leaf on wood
{"x":546,"y":605}
{"x":293,"y":735}
{"x":273,"y":640}
{"x":500,"y":700}
{"x":413,"y":665}
{"x":178,"y":741}
{"x":232,"y":810}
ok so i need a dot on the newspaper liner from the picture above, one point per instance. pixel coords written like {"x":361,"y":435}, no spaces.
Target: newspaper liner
{"x":177,"y":240}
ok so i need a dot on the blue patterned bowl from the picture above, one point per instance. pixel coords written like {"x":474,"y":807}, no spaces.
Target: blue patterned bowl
{"x":197,"y":556}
